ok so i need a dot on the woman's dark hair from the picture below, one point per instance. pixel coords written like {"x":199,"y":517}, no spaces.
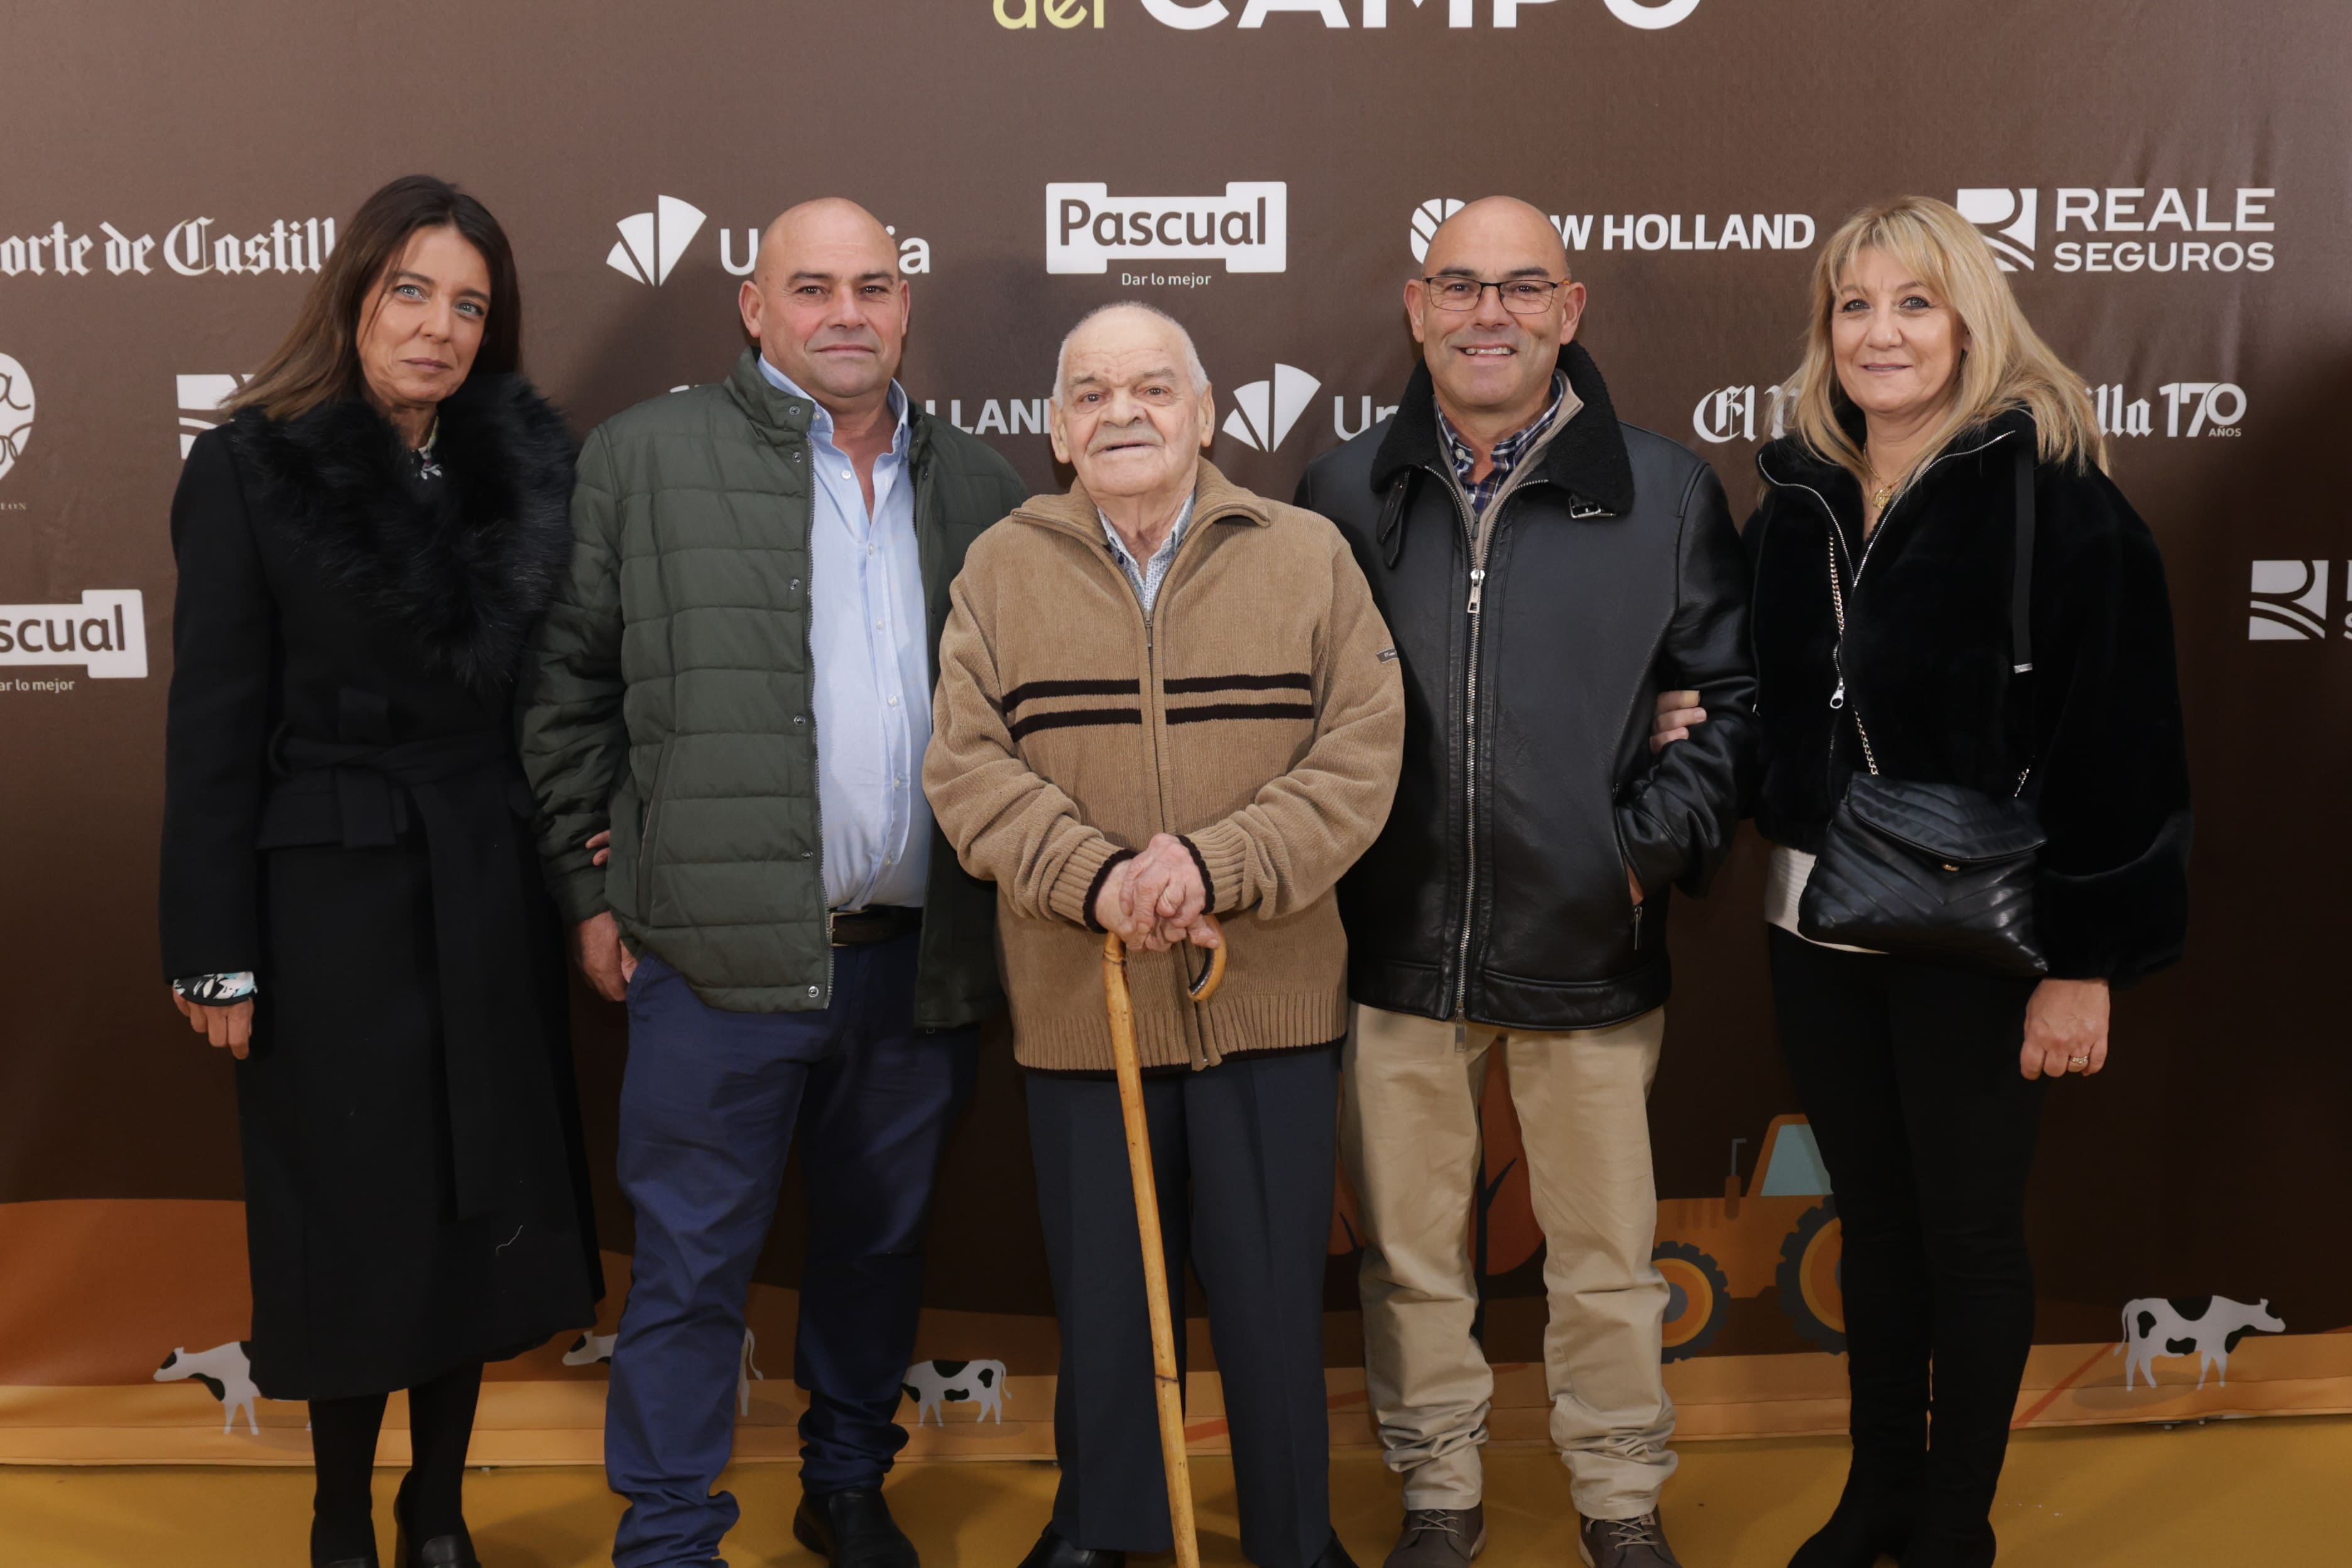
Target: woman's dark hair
{"x":320,"y":361}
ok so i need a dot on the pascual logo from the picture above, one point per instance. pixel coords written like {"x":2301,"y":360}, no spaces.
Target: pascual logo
{"x":106,"y":633}
{"x":1246,"y":229}
{"x":202,"y":399}
{"x":188,"y":247}
{"x":2191,"y":408}
{"x":2289,"y":600}
{"x":1643,"y":231}
{"x":2009,"y":220}
{"x":1190,"y":16}
{"x":15,"y":412}
{"x":1264,"y":411}
{"x":652,"y":243}
{"x":1729,"y":412}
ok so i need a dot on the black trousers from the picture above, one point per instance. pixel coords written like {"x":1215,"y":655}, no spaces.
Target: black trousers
{"x":1908,"y":1073}
{"x":1243,"y":1153}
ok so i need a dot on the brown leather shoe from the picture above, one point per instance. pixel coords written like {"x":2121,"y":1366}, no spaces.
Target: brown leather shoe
{"x":1439,"y":1538}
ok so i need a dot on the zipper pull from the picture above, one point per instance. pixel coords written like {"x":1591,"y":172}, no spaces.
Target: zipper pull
{"x":1477,"y":586}
{"x":1837,"y":698}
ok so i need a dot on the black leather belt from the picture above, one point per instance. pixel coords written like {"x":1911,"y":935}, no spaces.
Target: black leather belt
{"x":876,"y":923}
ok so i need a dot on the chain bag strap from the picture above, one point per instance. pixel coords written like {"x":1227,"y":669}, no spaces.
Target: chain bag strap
{"x":1933,"y":870}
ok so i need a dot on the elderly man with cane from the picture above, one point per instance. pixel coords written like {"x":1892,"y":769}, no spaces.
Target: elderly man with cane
{"x":1163,"y":699}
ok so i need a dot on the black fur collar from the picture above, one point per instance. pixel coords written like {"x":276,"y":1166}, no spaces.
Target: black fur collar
{"x":1588,"y":459}
{"x":467,"y":564}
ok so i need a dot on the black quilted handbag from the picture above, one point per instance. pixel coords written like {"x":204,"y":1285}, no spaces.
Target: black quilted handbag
{"x":1933,"y":870}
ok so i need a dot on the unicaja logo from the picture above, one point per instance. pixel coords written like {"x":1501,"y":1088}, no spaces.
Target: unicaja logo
{"x":2007,"y":218}
{"x":2288,"y":600}
{"x":1264,"y":411}
{"x":15,"y":412}
{"x":652,"y":242}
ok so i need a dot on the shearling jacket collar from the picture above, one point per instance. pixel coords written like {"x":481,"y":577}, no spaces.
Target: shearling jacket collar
{"x":1216,"y":499}
{"x":466,"y":563}
{"x":1587,"y":458}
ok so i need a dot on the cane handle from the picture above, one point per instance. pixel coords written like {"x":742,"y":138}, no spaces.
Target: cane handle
{"x":1199,"y":988}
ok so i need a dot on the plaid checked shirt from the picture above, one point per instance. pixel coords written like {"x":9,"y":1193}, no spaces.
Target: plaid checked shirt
{"x":1508,"y":451}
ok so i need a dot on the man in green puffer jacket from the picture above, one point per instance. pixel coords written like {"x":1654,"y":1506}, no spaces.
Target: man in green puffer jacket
{"x":731,"y":695}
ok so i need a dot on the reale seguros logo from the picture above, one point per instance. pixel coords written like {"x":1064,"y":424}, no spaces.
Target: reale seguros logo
{"x":201,"y":400}
{"x":2288,"y":600}
{"x":1246,"y":229}
{"x":2167,"y":216}
{"x":15,"y":412}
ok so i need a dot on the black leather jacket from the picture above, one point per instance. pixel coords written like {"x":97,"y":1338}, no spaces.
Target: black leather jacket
{"x":1497,"y":889}
{"x":1925,"y":667}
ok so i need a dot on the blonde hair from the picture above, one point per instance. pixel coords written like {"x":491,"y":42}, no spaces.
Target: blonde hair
{"x":2005,"y":364}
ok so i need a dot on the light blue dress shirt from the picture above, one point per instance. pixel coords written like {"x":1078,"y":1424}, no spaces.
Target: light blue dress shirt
{"x":1146,"y":577}
{"x":871,"y":642}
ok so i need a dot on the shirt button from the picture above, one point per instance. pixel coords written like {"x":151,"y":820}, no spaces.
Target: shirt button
{"x":894,"y":702}
{"x":847,"y":475}
{"x":881,"y":625}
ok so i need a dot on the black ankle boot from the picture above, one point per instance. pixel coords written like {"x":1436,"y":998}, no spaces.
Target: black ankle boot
{"x":454,"y":1551}
{"x":1871,"y":1519}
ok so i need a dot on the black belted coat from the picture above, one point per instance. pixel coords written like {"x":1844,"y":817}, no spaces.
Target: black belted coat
{"x":345,"y":816}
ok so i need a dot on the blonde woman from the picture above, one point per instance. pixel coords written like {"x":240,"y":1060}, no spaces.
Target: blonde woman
{"x":1883,"y":549}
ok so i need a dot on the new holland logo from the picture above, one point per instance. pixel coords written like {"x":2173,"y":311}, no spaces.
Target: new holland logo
{"x":200,"y":400}
{"x":652,"y":242}
{"x":15,"y":412}
{"x":2289,"y":600}
{"x":1425,"y":219}
{"x":2006,"y":216}
{"x":1246,"y":229}
{"x":1264,"y":411}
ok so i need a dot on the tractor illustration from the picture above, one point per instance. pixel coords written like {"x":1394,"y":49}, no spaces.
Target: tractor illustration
{"x":1781,"y":1230}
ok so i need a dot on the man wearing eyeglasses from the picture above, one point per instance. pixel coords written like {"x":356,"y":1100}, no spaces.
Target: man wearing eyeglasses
{"x":1553,"y":579}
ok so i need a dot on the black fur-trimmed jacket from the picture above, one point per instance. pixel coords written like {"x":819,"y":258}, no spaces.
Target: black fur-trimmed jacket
{"x":1497,"y":889}
{"x":1926,"y":666}
{"x":330,"y":595}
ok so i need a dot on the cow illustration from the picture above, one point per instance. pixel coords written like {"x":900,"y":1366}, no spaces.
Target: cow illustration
{"x":933,"y":1384}
{"x":227,"y":1370}
{"x":589,"y":1349}
{"x":2207,"y":1327}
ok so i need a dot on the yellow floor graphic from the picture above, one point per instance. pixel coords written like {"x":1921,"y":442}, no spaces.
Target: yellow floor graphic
{"x":2136,"y":1497}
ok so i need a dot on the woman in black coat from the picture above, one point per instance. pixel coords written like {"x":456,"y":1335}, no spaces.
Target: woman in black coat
{"x":1928,"y":409}
{"x":350,"y":901}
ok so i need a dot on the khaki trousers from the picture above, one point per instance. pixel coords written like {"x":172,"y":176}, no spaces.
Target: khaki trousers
{"x":1409,"y":1133}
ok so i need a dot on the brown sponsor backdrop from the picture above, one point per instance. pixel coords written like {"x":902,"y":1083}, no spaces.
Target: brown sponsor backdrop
{"x":153,"y":146}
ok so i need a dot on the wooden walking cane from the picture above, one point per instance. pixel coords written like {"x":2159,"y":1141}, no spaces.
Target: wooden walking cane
{"x":1147,"y":1220}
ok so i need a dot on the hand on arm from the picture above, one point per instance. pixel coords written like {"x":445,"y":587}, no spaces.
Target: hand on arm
{"x":1677,"y":711}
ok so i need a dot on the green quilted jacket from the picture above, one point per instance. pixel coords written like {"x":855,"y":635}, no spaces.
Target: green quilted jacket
{"x":667,"y":697}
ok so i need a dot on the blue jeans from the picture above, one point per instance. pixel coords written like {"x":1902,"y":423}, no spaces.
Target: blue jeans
{"x":710,"y":1106}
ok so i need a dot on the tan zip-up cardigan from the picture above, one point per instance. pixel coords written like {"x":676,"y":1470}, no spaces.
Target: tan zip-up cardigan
{"x":1257,"y":712}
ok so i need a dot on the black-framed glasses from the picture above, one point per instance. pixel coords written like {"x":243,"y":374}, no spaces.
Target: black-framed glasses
{"x":1521,"y":295}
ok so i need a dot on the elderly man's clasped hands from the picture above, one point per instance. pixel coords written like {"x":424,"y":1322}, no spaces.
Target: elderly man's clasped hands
{"x":1156,"y":900}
